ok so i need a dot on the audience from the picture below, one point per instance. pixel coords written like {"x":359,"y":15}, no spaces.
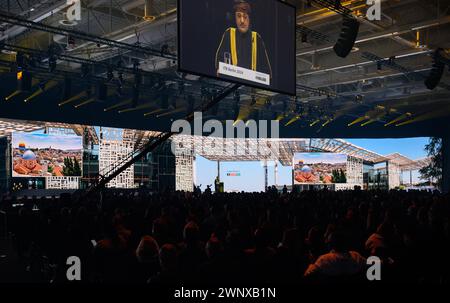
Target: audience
{"x":288,"y":238}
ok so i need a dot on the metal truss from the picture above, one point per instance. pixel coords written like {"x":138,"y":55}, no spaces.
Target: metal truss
{"x":83,"y":36}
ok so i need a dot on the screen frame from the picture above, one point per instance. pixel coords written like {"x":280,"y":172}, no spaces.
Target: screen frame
{"x":237,"y":81}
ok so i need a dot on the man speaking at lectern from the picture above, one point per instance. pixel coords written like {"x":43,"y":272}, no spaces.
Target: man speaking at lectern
{"x":240,"y":46}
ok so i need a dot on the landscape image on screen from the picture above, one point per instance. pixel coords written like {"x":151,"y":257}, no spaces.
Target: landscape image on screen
{"x":319,"y":168}
{"x":251,"y":42}
{"x":46,"y":155}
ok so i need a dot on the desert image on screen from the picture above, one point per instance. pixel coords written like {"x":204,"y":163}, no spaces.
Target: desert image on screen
{"x":43,"y":155}
{"x":319,"y":168}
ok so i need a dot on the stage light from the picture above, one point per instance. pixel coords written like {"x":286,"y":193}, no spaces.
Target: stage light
{"x":12,"y":95}
{"x":153,"y":112}
{"x":90,"y":100}
{"x":292,"y":120}
{"x":404,"y":116}
{"x":125,"y":102}
{"x":368,"y":122}
{"x":357,"y":120}
{"x":347,"y":37}
{"x":314,"y":122}
{"x":42,"y":87}
{"x":327,"y":122}
{"x":436,"y":72}
{"x":280,"y":117}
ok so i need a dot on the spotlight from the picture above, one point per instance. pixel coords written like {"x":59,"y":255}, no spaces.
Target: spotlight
{"x":347,"y":38}
{"x":314,"y":122}
{"x":436,"y":72}
{"x":15,"y":93}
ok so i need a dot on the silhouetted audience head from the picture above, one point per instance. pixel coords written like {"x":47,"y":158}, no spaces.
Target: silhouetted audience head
{"x":147,"y":249}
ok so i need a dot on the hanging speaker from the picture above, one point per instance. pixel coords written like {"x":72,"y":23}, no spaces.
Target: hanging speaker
{"x":436,"y":72}
{"x":347,"y":38}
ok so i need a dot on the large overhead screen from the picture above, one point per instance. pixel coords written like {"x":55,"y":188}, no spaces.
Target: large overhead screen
{"x":46,"y":155}
{"x":319,"y":168}
{"x":251,"y":42}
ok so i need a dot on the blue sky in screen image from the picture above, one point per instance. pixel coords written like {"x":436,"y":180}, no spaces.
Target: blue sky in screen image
{"x":36,"y":140}
{"x":252,"y":173}
{"x":312,"y":158}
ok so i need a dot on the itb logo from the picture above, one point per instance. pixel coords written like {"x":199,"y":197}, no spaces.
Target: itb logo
{"x":374,"y":11}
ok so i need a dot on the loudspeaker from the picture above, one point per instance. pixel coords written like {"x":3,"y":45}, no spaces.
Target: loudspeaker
{"x":347,"y":38}
{"x":436,"y":72}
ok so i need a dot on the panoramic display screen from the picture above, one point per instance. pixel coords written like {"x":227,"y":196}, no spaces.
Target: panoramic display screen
{"x":46,"y":155}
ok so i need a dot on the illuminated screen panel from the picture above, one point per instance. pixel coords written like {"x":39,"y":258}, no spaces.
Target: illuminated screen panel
{"x":251,"y":42}
{"x":46,"y":155}
{"x":319,"y":168}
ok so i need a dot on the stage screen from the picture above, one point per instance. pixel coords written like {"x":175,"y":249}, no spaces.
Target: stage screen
{"x":319,"y":168}
{"x":46,"y":155}
{"x":251,"y":42}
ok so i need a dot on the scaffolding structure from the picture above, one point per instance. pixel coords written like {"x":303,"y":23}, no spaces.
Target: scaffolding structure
{"x":115,"y":145}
